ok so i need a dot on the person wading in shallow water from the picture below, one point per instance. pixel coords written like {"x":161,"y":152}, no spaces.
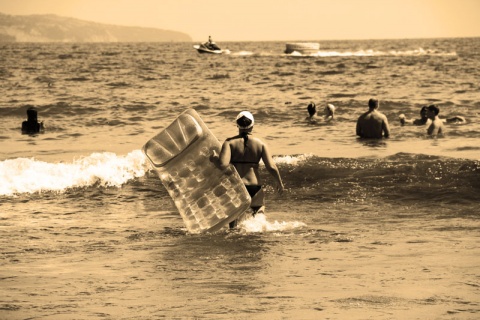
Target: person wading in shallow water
{"x":245,"y":152}
{"x":31,"y":125}
{"x":373,"y":124}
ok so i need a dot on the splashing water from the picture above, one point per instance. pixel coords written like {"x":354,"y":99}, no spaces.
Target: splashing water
{"x":27,"y":175}
{"x":259,"y":224}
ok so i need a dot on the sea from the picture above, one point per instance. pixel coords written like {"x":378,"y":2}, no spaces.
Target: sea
{"x":87,"y":230}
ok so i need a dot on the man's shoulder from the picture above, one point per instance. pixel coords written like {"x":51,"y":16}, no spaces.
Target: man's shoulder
{"x":233,"y":138}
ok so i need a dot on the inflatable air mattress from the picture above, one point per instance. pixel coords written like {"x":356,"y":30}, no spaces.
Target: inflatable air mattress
{"x":207,"y":197}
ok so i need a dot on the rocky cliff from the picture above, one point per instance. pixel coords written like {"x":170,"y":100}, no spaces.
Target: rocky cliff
{"x":52,"y":28}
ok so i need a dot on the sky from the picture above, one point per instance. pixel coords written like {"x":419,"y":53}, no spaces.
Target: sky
{"x":273,"y":20}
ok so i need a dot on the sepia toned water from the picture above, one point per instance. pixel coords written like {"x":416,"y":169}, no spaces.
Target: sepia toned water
{"x":365,"y":229}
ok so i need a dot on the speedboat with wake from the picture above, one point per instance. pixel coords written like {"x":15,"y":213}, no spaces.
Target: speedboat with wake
{"x":209,"y":47}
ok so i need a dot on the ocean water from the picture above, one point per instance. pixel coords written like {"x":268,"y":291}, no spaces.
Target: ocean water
{"x":88,"y":231}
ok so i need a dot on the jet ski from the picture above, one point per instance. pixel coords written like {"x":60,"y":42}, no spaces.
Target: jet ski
{"x":208,"y":47}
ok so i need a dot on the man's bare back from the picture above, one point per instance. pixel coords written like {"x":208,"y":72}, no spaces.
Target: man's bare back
{"x":373,"y":124}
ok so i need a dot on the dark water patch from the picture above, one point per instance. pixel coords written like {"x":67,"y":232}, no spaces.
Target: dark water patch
{"x":119,"y":84}
{"x":219,"y":76}
{"x":100,"y":67}
{"x":114,"y":123}
{"x":9,"y":307}
{"x":457,"y":228}
{"x":282,"y":73}
{"x":71,"y":135}
{"x":304,"y":97}
{"x":166,"y":233}
{"x":110,"y":53}
{"x":136,"y":119}
{"x":342,"y":95}
{"x":5,"y":73}
{"x":330,"y":72}
{"x":356,"y":302}
{"x":65,"y":56}
{"x":286,"y":86}
{"x":202,"y":107}
{"x":146,"y":78}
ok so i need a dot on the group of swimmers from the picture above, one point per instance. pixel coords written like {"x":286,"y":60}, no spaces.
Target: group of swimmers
{"x":328,"y":113}
{"x":374,"y":124}
{"x":245,"y":151}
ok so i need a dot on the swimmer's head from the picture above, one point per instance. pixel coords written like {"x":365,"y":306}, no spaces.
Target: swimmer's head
{"x":312,"y":108}
{"x":373,"y":103}
{"x":423,"y":111}
{"x":32,"y":114}
{"x":433,"y":108}
{"x":330,"y":109}
{"x":245,"y":120}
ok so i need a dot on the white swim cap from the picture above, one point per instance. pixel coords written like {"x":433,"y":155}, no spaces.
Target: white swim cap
{"x":245,"y":120}
{"x":331,"y":107}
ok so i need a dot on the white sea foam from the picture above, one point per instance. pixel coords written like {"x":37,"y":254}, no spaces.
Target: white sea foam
{"x":259,"y":223}
{"x":292,"y":160}
{"x":243,"y":53}
{"x":370,"y":52}
{"x":27,"y":175}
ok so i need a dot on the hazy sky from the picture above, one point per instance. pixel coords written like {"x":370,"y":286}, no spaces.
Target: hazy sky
{"x":259,"y":20}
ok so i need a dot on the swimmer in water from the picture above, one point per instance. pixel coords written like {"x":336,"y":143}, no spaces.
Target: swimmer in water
{"x":373,"y":124}
{"x":31,"y":125}
{"x":329,"y":112}
{"x":436,"y":126}
{"x":424,"y":119}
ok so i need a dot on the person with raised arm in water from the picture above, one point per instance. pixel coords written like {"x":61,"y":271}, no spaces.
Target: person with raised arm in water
{"x":245,"y":151}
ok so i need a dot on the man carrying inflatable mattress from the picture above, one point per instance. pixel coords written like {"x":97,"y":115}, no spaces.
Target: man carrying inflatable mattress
{"x":245,"y":152}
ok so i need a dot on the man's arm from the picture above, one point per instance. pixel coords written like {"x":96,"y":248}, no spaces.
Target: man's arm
{"x":359,"y":130}
{"x":385,"y":127}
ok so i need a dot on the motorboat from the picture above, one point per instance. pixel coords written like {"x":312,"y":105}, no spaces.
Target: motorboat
{"x":208,"y":47}
{"x":302,"y":47}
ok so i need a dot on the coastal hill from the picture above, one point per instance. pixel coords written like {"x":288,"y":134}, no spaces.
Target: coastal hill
{"x":53,"y":28}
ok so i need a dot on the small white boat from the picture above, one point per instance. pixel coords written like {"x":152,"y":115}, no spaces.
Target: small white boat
{"x":302,"y":47}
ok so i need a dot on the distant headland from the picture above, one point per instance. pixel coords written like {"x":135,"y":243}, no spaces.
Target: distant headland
{"x":53,"y":28}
